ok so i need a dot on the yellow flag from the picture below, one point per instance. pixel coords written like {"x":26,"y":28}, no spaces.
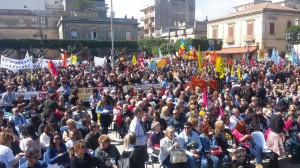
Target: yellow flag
{"x":232,"y":70}
{"x":134,"y":62}
{"x":239,"y":73}
{"x":73,"y":59}
{"x":199,"y":60}
{"x":218,"y":64}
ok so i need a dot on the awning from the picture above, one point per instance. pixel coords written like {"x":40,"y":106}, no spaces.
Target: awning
{"x":235,"y":50}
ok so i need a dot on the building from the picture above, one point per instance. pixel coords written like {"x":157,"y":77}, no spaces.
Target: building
{"x":96,"y":28}
{"x":287,"y":3}
{"x":98,"y":6}
{"x":165,"y":14}
{"x":261,"y":26}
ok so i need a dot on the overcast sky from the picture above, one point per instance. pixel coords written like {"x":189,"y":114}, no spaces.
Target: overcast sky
{"x":211,"y":8}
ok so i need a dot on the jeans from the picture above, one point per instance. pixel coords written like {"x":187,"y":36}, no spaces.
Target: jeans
{"x":192,"y":162}
{"x":257,"y":152}
{"x":215,"y":159}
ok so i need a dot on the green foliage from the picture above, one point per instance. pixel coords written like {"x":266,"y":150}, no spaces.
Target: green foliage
{"x":294,"y":30}
{"x":83,"y":5}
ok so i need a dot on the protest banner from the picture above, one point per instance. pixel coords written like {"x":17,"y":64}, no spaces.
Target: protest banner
{"x":145,"y":88}
{"x":28,"y":95}
{"x":99,"y":61}
{"x":85,"y":93}
{"x":15,"y":65}
{"x":43,"y":63}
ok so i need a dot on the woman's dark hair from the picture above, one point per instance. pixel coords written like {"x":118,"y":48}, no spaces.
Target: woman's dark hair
{"x":52,"y":96}
{"x":52,"y":145}
{"x":29,"y":131}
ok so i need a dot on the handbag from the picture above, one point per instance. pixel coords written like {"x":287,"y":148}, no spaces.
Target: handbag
{"x":177,"y":156}
{"x":125,"y":159}
{"x":216,"y":151}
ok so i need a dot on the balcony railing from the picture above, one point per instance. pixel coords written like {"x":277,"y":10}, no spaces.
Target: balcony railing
{"x":249,"y":38}
{"x":229,"y":40}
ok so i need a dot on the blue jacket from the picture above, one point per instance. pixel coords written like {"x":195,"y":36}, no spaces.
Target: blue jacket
{"x":39,"y":164}
{"x":51,"y":155}
{"x":208,"y":143}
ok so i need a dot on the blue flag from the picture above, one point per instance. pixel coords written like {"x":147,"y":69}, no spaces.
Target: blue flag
{"x":274,"y":57}
{"x":295,"y":57}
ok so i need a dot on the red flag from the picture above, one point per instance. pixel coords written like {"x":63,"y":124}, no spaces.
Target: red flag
{"x":64,"y":64}
{"x":252,"y":62}
{"x":52,"y":67}
{"x":280,"y":64}
{"x":205,"y":101}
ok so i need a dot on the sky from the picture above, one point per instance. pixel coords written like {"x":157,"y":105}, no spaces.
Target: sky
{"x":211,"y":8}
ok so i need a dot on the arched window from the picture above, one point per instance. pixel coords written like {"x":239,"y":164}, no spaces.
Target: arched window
{"x":289,"y":24}
{"x":74,"y":35}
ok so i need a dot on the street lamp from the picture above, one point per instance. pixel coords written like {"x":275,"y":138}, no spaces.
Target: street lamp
{"x":112,"y":35}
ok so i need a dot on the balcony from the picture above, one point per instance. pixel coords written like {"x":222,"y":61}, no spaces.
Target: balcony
{"x":229,"y":40}
{"x":249,"y":38}
{"x":150,"y":15}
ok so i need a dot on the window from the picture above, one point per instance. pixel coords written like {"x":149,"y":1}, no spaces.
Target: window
{"x":21,"y":20}
{"x":215,"y":33}
{"x":230,"y":31}
{"x":93,"y":35}
{"x":128,"y":36}
{"x":43,"y":20}
{"x":289,"y":24}
{"x":250,"y":29}
{"x":56,"y":2}
{"x":74,"y":35}
{"x":272,"y":28}
{"x":34,"y":20}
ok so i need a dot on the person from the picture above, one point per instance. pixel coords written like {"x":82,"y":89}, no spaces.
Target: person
{"x":177,"y":121}
{"x":243,"y":137}
{"x":74,"y":136}
{"x":276,"y":138}
{"x":190,"y":142}
{"x":46,"y":136}
{"x":137,"y":127}
{"x":94,"y":99}
{"x":71,"y":125}
{"x":18,"y":120}
{"x":104,"y":108}
{"x":139,"y":156}
{"x":107,"y":153}
{"x":6,"y":154}
{"x":8,"y":98}
{"x":208,"y":141}
{"x":79,"y":157}
{"x":31,"y":140}
{"x":32,"y":155}
{"x":166,"y":145}
{"x":79,"y":113}
{"x":235,"y":117}
{"x":3,"y":121}
{"x":49,"y":106}
{"x":91,"y":138}
{"x":154,"y":141}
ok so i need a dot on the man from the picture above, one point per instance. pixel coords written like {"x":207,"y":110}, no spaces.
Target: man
{"x":31,"y":156}
{"x":94,"y":99}
{"x":65,"y":90}
{"x":177,"y":120}
{"x":18,"y":119}
{"x":190,"y":142}
{"x":261,"y":94}
{"x":8,"y":98}
{"x":137,"y":127}
{"x":50,"y":105}
{"x":235,"y":117}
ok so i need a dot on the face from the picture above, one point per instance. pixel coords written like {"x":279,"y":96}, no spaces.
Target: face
{"x":104,"y":144}
{"x":171,"y":134}
{"x":57,"y":139}
{"x":187,"y":129}
{"x":206,"y":119}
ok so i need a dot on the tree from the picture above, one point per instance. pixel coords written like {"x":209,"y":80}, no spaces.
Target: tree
{"x":83,"y":5}
{"x":294,"y":30}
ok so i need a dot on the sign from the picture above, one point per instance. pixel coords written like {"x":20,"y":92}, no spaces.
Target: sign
{"x":99,"y":61}
{"x":43,"y":63}
{"x":15,"y":65}
{"x":85,"y":93}
{"x":145,"y":88}
{"x":28,"y":95}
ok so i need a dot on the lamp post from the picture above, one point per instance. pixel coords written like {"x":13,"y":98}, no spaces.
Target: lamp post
{"x":112,"y":35}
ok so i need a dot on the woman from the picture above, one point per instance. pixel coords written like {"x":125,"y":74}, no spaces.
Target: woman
{"x":31,"y":140}
{"x":208,"y":141}
{"x":276,"y":138}
{"x":74,"y":136}
{"x":139,"y":156}
{"x":57,"y":151}
{"x":6,"y":154}
{"x":107,"y":153}
{"x":104,"y":108}
{"x":154,"y":141}
{"x":243,"y":137}
{"x":224,"y":139}
{"x":91,"y":138}
{"x":156,"y":118}
{"x":71,"y":125}
{"x":166,"y":145}
{"x":79,"y":157}
{"x":58,"y":113}
{"x":46,"y":136}
{"x":165,"y":113}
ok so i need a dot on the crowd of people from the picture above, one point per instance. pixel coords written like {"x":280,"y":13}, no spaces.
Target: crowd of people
{"x":207,"y":125}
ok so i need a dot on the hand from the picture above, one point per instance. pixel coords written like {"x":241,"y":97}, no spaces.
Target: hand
{"x":147,"y":135}
{"x":61,"y":154}
{"x":233,"y":146}
{"x":196,"y":156}
{"x":193,"y":151}
{"x":176,"y":145}
{"x":20,"y":155}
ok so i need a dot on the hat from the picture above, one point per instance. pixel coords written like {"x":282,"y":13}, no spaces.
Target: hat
{"x":154,"y":125}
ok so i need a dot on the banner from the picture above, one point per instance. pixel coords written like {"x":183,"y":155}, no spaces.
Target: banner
{"x":28,"y":95}
{"x":43,"y":63}
{"x":15,"y":65}
{"x":99,"y":61}
{"x":85,"y":93}
{"x":145,"y":88}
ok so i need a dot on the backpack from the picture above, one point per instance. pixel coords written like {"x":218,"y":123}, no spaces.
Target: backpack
{"x":125,"y":160}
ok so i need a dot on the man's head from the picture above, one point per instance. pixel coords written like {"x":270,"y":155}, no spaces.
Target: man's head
{"x":32,"y":155}
{"x":138,"y":112}
{"x":187,"y":127}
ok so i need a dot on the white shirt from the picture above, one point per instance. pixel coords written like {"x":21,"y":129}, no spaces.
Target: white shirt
{"x":44,"y":140}
{"x":137,"y":128}
{"x":233,"y":120}
{"x":6,"y":155}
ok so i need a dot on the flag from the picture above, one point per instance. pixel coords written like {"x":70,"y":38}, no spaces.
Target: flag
{"x":214,"y":57}
{"x":280,"y":66}
{"x":134,"y":62}
{"x":252,"y":62}
{"x":295,"y":57}
{"x":239,"y":73}
{"x":199,"y":60}
{"x":52,"y":68}
{"x":261,"y":54}
{"x":181,"y":48}
{"x":64,"y":64}
{"x":218,"y":64}
{"x":91,"y":68}
{"x":288,"y":56}
{"x":26,"y":55}
{"x":232,"y":70}
{"x":229,"y":61}
{"x":274,"y":57}
{"x":205,"y":101}
{"x":73,"y":59}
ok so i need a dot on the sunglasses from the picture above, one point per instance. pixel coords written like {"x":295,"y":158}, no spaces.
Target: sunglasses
{"x":57,"y":138}
{"x":187,"y":127}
